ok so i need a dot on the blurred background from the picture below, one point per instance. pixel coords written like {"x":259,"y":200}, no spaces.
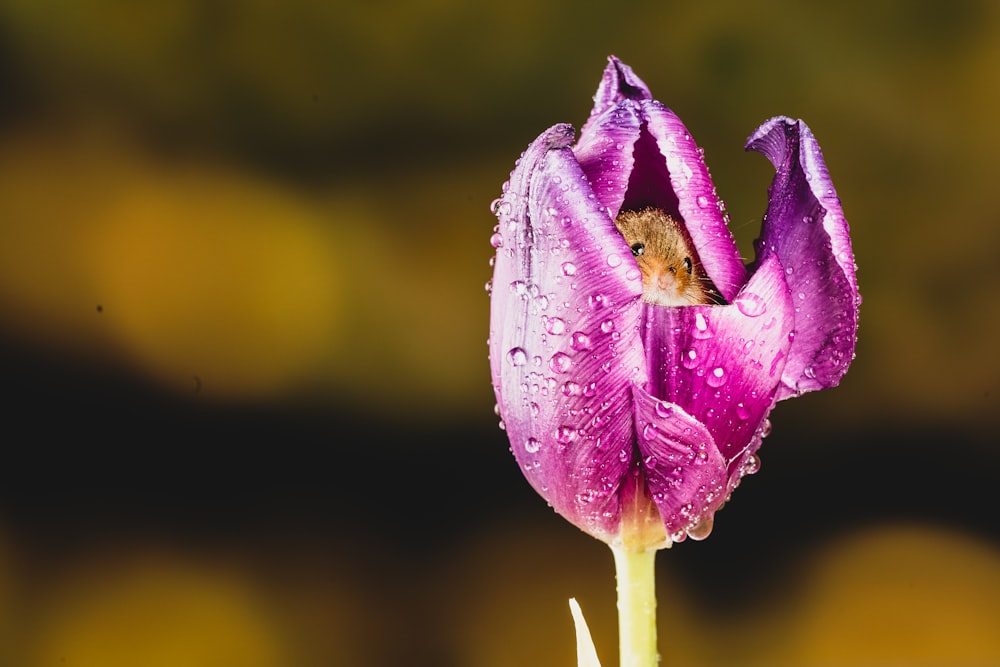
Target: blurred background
{"x":247,"y":417}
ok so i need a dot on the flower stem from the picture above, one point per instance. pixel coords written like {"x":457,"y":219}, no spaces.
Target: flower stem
{"x":636,"y":606}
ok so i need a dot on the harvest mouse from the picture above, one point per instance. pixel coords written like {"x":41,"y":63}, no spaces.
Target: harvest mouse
{"x":671,"y":274}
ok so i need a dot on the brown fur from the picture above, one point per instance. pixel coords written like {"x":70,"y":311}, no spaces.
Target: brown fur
{"x":671,"y":273}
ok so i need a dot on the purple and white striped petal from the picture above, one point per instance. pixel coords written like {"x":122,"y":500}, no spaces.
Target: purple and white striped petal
{"x":564,"y":341}
{"x":723,"y":363}
{"x":805,"y":228}
{"x":605,"y":153}
{"x":684,"y":470}
{"x":670,"y":173}
{"x":619,"y":83}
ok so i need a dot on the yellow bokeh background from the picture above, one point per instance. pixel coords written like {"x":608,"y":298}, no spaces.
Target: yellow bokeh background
{"x":243,"y":249}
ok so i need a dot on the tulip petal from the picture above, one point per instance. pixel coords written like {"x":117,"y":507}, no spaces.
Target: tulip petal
{"x":724,"y":363}
{"x":618,"y":84}
{"x":670,"y":173}
{"x":564,"y":341}
{"x":806,"y":229}
{"x":605,"y":153}
{"x":684,"y":469}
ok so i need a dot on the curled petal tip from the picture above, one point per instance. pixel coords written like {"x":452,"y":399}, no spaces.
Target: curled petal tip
{"x":619,"y":83}
{"x":806,"y":229}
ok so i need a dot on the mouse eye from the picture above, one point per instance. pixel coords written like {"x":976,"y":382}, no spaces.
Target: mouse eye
{"x":638,"y":248}
{"x":687,"y":264}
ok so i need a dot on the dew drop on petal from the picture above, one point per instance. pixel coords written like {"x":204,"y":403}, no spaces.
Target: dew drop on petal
{"x":664,"y":409}
{"x":752,"y":465}
{"x":614,"y":260}
{"x":569,"y":268}
{"x":689,"y":359}
{"x":565,"y":434}
{"x":532,"y":445}
{"x":579,"y":341}
{"x":571,"y":389}
{"x":649,"y":432}
{"x":701,"y":329}
{"x":716,"y":378}
{"x":517,"y":356}
{"x":750,"y":304}
{"x":702,"y":529}
{"x":607,"y":326}
{"x":560,"y":363}
{"x":742,"y":411}
{"x":556,"y":326}
{"x":496,"y":240}
{"x":703,"y":201}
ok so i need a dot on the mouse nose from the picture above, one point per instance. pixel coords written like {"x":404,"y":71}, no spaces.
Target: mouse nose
{"x":666,"y":280}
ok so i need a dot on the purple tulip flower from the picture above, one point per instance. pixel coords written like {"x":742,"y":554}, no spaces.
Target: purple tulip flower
{"x":636,"y":421}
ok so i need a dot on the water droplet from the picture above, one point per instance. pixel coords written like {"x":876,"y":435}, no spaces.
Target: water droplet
{"x":565,"y":434}
{"x":556,"y":326}
{"x":717,"y":377}
{"x":689,"y":359}
{"x":765,"y":428}
{"x":517,"y":356}
{"x":614,"y":260}
{"x":532,"y":445}
{"x":496,"y":240}
{"x":742,"y":411}
{"x":664,"y":409}
{"x":750,"y":304}
{"x":703,"y":201}
{"x":568,"y":268}
{"x":701,"y":329}
{"x":571,"y":389}
{"x":751,"y":465}
{"x":595,"y":301}
{"x":633,"y":274}
{"x":489,"y":287}
{"x":607,"y":326}
{"x":579,"y":341}
{"x":623,"y":455}
{"x":649,"y":432}
{"x":560,"y":363}
{"x":701,"y":529}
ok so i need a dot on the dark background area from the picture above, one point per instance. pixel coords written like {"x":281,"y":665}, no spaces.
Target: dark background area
{"x":246,"y":405}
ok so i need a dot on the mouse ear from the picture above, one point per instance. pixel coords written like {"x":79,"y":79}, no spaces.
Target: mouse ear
{"x":806,"y":229}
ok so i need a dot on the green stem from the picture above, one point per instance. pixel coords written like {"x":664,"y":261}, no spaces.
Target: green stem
{"x":636,"y":606}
